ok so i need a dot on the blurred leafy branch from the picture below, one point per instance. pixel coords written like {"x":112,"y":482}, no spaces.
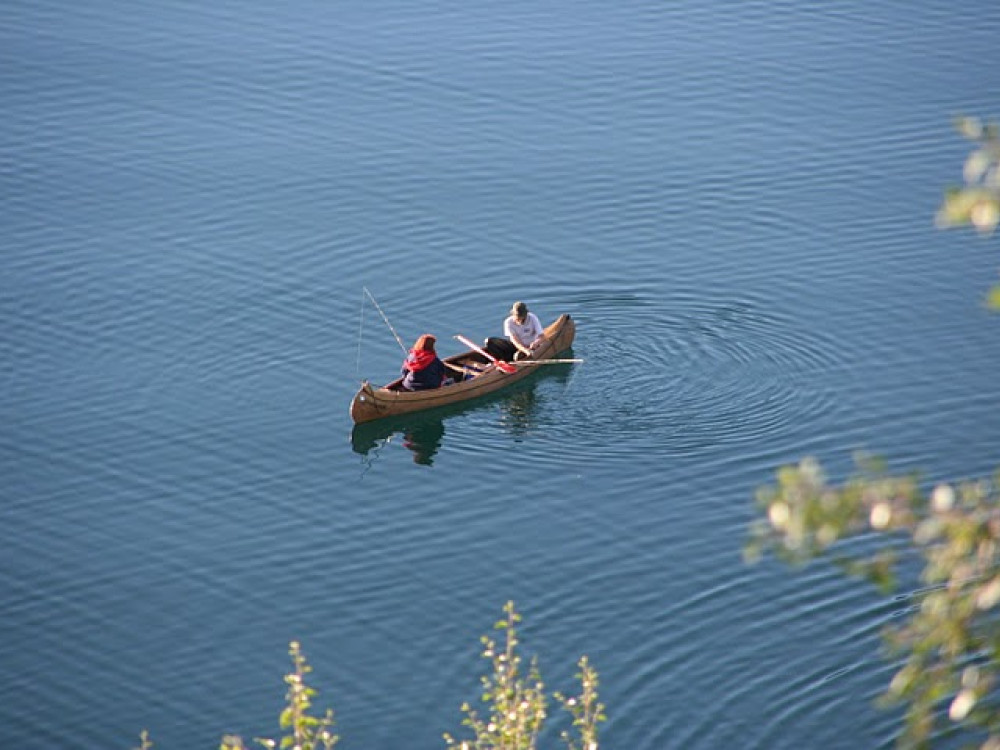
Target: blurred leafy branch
{"x":515,"y":703}
{"x":305,"y":731}
{"x":977,"y":201}
{"x":949,"y":643}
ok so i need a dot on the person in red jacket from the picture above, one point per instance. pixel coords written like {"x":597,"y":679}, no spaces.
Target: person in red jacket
{"x":422,"y":368}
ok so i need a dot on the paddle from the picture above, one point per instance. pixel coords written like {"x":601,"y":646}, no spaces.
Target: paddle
{"x":506,"y":367}
{"x":520,"y":362}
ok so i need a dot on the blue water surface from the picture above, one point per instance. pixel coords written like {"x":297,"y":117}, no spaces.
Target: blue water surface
{"x":733,"y":200}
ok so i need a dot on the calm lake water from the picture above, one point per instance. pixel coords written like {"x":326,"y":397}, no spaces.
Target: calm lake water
{"x":733,"y":200}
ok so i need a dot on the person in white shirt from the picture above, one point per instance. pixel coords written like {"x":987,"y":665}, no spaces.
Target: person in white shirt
{"x":523,"y":329}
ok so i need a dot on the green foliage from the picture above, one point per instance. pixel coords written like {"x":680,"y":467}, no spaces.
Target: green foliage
{"x":950,"y":645}
{"x":305,"y":731}
{"x":977,"y":202}
{"x":516,"y":704}
{"x":586,"y":710}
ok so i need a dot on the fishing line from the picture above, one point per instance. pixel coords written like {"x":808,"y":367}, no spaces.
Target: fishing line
{"x":361,"y":329}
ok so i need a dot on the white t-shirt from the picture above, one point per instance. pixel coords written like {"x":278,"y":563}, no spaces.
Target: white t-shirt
{"x":526,"y":333}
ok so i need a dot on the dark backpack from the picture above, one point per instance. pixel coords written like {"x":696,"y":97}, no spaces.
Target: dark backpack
{"x":502,"y":349}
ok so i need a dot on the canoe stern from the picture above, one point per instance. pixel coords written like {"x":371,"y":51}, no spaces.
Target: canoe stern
{"x":365,"y":405}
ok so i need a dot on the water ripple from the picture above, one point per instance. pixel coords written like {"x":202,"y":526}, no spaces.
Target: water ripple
{"x":695,"y":375}
{"x":739,"y":221}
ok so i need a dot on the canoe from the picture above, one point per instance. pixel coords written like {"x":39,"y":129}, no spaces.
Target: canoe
{"x":479,"y":378}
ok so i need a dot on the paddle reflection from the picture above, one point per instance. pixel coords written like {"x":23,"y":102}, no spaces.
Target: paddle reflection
{"x":519,"y":410}
{"x":517,"y":413}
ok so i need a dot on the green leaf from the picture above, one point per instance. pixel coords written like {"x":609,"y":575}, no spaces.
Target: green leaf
{"x":993,"y":299}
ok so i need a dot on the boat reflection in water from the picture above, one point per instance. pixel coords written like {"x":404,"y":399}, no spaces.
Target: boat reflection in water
{"x":517,"y":413}
{"x":423,"y":433}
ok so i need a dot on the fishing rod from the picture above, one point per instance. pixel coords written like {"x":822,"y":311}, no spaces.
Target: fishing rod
{"x":398,"y":339}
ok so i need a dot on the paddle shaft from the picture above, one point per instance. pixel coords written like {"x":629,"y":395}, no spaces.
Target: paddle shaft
{"x":545,"y":361}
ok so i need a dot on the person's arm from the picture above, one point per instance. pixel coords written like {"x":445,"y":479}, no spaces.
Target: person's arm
{"x":508,"y":329}
{"x":539,"y":332}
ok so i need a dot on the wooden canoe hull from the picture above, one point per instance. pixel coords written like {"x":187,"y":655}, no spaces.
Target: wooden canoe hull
{"x":376,"y":403}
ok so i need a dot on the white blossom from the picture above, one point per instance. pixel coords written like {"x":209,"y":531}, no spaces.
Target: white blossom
{"x":881,"y":515}
{"x":943,"y":498}
{"x":779,"y":515}
{"x":964,"y":702}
